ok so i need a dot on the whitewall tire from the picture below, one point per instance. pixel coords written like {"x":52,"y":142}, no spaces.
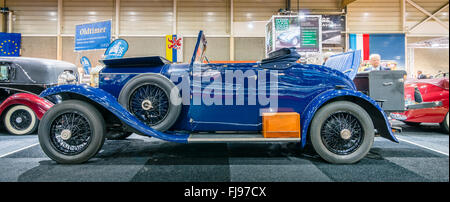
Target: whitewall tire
{"x":20,"y":120}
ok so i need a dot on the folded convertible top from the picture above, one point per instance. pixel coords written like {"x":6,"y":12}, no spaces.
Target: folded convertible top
{"x":280,"y":59}
{"x":151,"y":61}
{"x":348,"y":62}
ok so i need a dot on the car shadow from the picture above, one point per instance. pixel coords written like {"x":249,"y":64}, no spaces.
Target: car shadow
{"x":136,"y":160}
{"x":424,"y":128}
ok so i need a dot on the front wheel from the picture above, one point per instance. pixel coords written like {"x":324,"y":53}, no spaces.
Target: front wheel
{"x":72,"y":132}
{"x":20,"y":120}
{"x":444,"y":124}
{"x":342,"y":132}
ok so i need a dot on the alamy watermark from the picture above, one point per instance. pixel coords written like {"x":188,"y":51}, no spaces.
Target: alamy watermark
{"x":208,"y":87}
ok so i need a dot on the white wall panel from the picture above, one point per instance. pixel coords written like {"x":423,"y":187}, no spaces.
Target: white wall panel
{"x":85,"y":11}
{"x":146,"y":17}
{"x":431,"y":60}
{"x":374,"y":16}
{"x":256,"y":10}
{"x":317,"y":6}
{"x":212,"y":16}
{"x":39,"y":47}
{"x":431,"y":28}
{"x":249,"y":29}
{"x":34,"y":17}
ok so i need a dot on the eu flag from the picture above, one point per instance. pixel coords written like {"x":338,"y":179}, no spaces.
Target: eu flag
{"x":10,"y":44}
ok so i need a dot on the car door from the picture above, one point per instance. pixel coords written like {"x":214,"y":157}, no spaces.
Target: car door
{"x":220,"y":105}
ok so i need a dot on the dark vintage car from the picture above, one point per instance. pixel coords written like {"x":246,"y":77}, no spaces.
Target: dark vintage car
{"x":21,"y":80}
{"x":189,"y":103}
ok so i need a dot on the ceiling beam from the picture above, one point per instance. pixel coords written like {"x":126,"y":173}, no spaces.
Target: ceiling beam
{"x":428,"y":14}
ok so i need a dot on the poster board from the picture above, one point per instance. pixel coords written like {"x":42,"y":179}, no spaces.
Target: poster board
{"x":304,"y":32}
{"x":92,"y":36}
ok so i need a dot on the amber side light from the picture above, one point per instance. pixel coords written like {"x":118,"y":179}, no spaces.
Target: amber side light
{"x":281,"y":125}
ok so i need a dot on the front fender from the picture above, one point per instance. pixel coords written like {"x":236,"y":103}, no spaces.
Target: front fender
{"x":36,"y":103}
{"x":110,"y":103}
{"x":321,"y":99}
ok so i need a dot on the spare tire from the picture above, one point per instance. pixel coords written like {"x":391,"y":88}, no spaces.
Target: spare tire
{"x":147,"y":96}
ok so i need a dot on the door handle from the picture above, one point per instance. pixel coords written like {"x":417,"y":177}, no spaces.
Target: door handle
{"x":388,"y":83}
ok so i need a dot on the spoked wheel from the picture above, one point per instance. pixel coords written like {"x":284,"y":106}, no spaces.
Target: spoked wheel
{"x":149,"y":97}
{"x":72,"y":132}
{"x":150,"y":104}
{"x":342,"y":132}
{"x":20,"y":120}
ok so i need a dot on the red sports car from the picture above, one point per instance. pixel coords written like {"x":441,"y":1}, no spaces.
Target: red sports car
{"x":431,"y":90}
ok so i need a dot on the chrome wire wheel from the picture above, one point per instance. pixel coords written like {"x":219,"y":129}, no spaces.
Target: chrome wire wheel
{"x":149,"y":98}
{"x":342,"y":133}
{"x":70,"y":133}
{"x":150,"y":104}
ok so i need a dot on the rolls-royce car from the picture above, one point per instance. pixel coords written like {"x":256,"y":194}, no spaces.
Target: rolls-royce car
{"x":276,"y":99}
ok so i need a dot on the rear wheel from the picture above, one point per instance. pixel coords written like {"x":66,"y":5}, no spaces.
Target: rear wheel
{"x":72,"y":132}
{"x":20,"y":120}
{"x":342,"y":132}
{"x":444,"y":124}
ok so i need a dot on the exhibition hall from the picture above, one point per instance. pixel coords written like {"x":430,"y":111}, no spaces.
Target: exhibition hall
{"x":230,"y":91}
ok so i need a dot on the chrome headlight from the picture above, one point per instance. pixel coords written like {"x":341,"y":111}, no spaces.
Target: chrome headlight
{"x":66,"y":77}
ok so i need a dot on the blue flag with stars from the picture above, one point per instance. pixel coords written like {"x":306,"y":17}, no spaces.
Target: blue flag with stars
{"x":10,"y":44}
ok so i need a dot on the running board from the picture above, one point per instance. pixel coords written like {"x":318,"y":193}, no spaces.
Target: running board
{"x":226,"y":138}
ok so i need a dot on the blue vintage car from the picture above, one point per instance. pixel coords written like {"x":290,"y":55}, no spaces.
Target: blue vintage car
{"x":274,"y":100}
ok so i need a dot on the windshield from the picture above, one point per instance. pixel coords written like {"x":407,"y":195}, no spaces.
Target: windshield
{"x":441,"y":75}
{"x":4,"y":69}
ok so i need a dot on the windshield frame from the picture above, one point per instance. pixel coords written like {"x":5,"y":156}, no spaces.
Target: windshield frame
{"x":199,"y":53}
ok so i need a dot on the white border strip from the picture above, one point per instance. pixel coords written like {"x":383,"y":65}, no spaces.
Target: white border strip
{"x":423,"y":146}
{"x":9,"y":153}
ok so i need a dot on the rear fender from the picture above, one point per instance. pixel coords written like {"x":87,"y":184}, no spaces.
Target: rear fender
{"x":36,"y":103}
{"x":108,"y":102}
{"x":378,"y":116}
